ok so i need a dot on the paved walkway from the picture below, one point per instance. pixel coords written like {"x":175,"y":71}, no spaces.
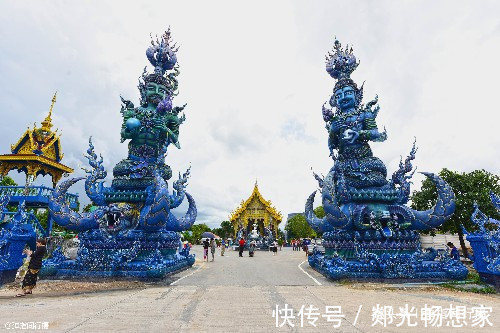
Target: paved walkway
{"x":236,"y":294}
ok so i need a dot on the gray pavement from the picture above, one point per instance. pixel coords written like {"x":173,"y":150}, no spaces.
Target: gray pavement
{"x":235,"y":294}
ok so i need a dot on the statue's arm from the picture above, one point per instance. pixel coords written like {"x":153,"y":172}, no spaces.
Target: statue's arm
{"x":334,"y":133}
{"x":173,"y":131}
{"x":125,"y":132}
{"x":169,"y":127}
{"x":370,"y":130}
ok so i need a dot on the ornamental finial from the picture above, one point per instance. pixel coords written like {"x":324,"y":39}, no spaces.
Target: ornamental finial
{"x":161,"y":54}
{"x":340,"y":63}
{"x":47,"y":122}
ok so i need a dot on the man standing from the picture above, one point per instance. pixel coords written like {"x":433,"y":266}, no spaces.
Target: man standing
{"x":242,"y":246}
{"x":222,"y":247}
{"x":213,"y":246}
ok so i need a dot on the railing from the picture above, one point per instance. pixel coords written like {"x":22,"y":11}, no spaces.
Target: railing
{"x":30,"y":218}
{"x":33,"y":191}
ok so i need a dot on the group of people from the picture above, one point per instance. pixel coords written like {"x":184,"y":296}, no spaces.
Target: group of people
{"x":211,"y":244}
{"x":253,"y":245}
{"x":297,"y":245}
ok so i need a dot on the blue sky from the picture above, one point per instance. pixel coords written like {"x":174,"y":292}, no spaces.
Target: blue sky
{"x":254,"y":79}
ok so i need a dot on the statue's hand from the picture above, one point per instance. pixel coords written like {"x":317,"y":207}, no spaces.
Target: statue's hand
{"x":382,"y":136}
{"x":350,"y":135}
{"x":129,"y":133}
{"x":160,"y":124}
{"x":336,"y":124}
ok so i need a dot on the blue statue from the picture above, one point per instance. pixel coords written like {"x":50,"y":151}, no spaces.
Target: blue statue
{"x":366,"y":215}
{"x":14,"y":235}
{"x":486,"y":243}
{"x":131,"y":230}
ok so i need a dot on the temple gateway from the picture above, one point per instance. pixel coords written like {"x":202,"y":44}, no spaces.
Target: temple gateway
{"x":256,"y":214}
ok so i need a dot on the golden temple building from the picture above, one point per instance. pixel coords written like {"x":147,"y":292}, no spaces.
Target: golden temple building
{"x":37,"y":152}
{"x":255,"y":210}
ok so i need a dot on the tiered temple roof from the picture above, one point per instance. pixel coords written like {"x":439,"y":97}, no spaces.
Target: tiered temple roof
{"x":37,"y":152}
{"x":266,"y":203}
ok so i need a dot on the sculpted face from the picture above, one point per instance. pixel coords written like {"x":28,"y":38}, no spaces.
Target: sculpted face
{"x":345,"y":98}
{"x":155,"y":93}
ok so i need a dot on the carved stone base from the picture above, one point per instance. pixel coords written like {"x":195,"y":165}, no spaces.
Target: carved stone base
{"x":133,"y":254}
{"x":397,"y":267}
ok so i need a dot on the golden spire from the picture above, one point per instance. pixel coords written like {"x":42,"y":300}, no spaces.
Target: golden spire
{"x":47,"y":122}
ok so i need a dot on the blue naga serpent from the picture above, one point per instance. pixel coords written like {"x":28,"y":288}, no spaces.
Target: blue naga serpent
{"x":351,"y":215}
{"x":151,"y":215}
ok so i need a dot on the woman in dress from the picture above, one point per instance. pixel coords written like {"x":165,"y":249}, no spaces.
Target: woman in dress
{"x":29,"y":281}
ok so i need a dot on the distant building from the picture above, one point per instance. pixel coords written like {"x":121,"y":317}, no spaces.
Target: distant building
{"x":255,"y":210}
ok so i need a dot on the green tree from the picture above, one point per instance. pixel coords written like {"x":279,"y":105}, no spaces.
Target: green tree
{"x":88,"y":208}
{"x":469,"y":187}
{"x":225,"y":230}
{"x":320,"y":212}
{"x":281,"y":234}
{"x":7,"y":181}
{"x":297,"y":227}
{"x":193,"y":234}
{"x":42,"y":215}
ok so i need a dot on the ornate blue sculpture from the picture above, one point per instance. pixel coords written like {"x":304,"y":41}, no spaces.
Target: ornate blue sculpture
{"x":486,"y":243}
{"x":368,"y":231}
{"x":131,"y":231}
{"x":262,"y":242}
{"x":14,"y":235}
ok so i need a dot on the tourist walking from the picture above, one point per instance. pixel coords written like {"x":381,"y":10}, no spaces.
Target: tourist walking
{"x":275,"y":248}
{"x":29,"y":281}
{"x":213,"y":246}
{"x":242,"y":246}
{"x":206,"y":244}
{"x":222,"y":248}
{"x":304,"y":247}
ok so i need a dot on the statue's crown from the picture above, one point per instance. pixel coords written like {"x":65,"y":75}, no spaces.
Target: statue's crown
{"x":340,"y":63}
{"x":162,"y":55}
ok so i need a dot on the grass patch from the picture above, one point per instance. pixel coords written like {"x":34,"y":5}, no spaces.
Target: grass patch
{"x":344,"y":282}
{"x":472,"y":278}
{"x":484,"y":289}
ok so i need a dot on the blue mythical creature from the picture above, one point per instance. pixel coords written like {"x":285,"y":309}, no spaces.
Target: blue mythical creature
{"x":132,"y":219}
{"x":364,"y":209}
{"x":486,"y":243}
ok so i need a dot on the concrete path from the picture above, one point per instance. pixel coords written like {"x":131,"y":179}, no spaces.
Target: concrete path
{"x":236,"y":294}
